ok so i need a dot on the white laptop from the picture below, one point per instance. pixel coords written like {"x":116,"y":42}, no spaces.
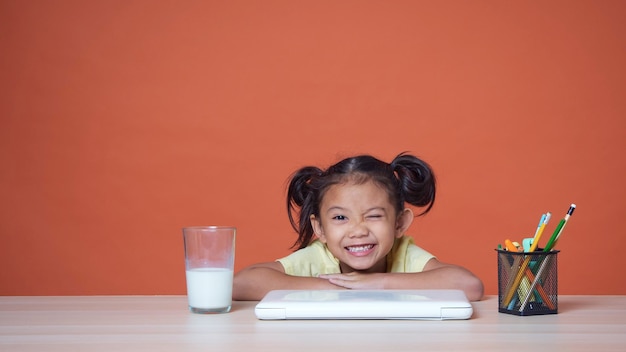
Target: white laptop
{"x":364,"y":304}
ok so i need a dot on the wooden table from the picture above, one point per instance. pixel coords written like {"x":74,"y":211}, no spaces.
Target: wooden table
{"x":163,"y":323}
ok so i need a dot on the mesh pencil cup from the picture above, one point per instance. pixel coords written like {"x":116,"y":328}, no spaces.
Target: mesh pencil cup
{"x":527,"y":282}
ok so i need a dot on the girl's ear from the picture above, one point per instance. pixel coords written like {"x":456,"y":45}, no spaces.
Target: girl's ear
{"x":317,"y":228}
{"x":404,"y":221}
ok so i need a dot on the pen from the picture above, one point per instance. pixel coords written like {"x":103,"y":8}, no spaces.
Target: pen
{"x":543,"y":218}
{"x":542,"y":226}
{"x":559,"y":229}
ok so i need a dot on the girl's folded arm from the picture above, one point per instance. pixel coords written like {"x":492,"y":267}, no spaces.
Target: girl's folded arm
{"x":255,"y":281}
{"x":440,"y":275}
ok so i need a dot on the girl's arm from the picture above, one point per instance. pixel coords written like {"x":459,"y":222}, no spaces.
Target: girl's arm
{"x":436,"y":275}
{"x":253,"y":282}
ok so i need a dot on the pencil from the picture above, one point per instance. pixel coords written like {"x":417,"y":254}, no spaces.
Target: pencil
{"x":533,"y":247}
{"x":559,"y":229}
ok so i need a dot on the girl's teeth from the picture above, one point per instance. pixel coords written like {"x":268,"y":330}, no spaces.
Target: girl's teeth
{"x":360,"y":248}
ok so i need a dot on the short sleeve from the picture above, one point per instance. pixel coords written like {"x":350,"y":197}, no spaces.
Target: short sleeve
{"x":310,"y":261}
{"x":406,"y":257}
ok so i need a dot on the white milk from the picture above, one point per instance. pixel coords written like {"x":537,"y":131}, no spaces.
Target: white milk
{"x":209,"y":288}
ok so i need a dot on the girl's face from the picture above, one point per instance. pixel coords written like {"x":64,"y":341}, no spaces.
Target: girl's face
{"x":359,"y":224}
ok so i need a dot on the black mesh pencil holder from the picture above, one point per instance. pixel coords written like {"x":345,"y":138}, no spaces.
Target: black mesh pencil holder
{"x":527,"y":282}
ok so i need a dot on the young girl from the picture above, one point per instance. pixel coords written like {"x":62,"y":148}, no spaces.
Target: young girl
{"x":351,"y":224}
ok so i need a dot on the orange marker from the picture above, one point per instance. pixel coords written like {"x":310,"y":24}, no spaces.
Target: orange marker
{"x":510,"y":246}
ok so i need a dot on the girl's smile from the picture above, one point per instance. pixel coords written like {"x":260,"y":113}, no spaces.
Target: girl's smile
{"x":360,"y":250}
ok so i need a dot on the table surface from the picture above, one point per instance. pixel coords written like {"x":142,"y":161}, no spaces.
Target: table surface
{"x":163,"y":323}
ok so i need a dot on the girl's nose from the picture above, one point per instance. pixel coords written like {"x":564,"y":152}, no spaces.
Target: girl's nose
{"x":358,"y":230}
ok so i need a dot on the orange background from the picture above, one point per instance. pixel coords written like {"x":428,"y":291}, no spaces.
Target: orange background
{"x":124,"y":121}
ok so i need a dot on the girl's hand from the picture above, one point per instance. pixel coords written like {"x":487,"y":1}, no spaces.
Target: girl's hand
{"x":355,"y":280}
{"x":436,"y":275}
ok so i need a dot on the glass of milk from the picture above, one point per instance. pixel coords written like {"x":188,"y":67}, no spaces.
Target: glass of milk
{"x":209,"y":264}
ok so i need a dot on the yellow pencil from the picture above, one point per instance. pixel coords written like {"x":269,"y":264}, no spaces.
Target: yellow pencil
{"x":533,"y":247}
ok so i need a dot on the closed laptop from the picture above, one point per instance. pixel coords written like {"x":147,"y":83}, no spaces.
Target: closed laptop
{"x":364,"y":304}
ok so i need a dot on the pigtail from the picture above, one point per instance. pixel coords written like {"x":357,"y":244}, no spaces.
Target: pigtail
{"x":301,"y":200}
{"x":416,"y":181}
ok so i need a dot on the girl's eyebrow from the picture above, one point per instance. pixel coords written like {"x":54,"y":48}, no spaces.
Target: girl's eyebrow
{"x":376,"y":208}
{"x":336,"y":207}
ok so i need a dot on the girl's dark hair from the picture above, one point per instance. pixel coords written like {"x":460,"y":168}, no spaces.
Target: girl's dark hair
{"x":407,"y":179}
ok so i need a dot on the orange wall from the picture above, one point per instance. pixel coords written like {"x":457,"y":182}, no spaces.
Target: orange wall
{"x":124,"y":121}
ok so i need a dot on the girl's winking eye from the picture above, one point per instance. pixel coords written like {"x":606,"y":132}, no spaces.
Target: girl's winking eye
{"x":375,"y":214}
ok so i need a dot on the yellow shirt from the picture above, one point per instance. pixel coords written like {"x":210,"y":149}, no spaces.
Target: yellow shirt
{"x":316,"y":259}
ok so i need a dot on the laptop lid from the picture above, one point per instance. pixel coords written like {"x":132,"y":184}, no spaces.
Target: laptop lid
{"x":364,"y":304}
